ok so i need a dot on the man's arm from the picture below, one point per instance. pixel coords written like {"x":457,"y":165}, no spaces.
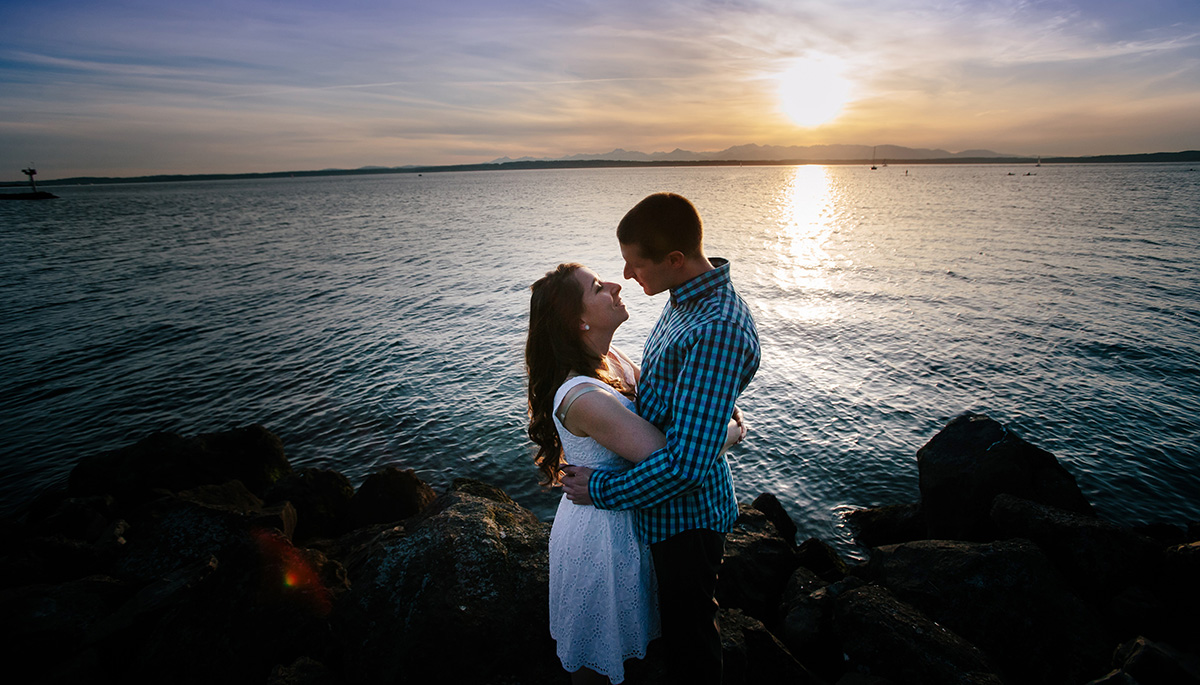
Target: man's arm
{"x":717,"y":366}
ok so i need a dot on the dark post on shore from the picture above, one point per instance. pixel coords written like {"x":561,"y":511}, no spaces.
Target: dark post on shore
{"x":35,"y":194}
{"x":31,"y":172}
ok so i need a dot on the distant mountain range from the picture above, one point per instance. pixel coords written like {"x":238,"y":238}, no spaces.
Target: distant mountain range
{"x":765,"y":153}
{"x":748,"y":154}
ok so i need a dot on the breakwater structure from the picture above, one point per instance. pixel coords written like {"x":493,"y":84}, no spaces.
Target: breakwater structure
{"x":211,"y":559}
{"x":34,"y":193}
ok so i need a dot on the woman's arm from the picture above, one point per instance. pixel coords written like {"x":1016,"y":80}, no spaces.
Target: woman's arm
{"x":735,"y":431}
{"x":633,"y":368}
{"x":602,"y":417}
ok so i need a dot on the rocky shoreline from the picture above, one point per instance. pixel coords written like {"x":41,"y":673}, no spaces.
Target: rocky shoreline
{"x":210,"y":559}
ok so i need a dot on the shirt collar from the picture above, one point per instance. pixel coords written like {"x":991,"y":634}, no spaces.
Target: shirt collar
{"x":709,"y":280}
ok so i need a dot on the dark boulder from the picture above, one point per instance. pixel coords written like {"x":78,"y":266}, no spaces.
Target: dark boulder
{"x":889,"y":638}
{"x":1005,"y":598}
{"x":389,"y":495}
{"x":1097,"y":558}
{"x":172,"y":462}
{"x":808,"y":630}
{"x":177,"y":531}
{"x":45,"y":628}
{"x":973,"y":459}
{"x":321,"y":498}
{"x":756,"y":567}
{"x":1145,"y":662}
{"x":458,"y":595}
{"x":887,"y":525}
{"x":753,"y":655}
{"x":769,"y":504}
{"x":821,"y":558}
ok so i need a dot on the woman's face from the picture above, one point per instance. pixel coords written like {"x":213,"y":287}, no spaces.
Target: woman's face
{"x":602,"y":305}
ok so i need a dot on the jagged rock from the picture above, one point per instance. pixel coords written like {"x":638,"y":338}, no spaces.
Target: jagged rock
{"x":321,"y":498}
{"x":229,"y":496}
{"x":1005,"y":598}
{"x":752,"y":655}
{"x":170,"y":461}
{"x":808,"y":630}
{"x":389,"y":495}
{"x":975,"y":458}
{"x":303,"y":671}
{"x":757,"y":565}
{"x":266,"y":602}
{"x":887,"y":525}
{"x":174,"y":532}
{"x":776,"y":514}
{"x":1181,"y":569}
{"x":45,"y":626}
{"x":78,"y":518}
{"x":1145,"y":662}
{"x":1097,"y":558}
{"x":821,"y":558}
{"x":471,"y":571}
{"x":894,"y":640}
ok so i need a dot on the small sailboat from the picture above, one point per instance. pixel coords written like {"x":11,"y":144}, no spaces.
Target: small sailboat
{"x":873,"y":159}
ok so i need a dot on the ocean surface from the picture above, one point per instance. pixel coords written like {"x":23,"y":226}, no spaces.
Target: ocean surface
{"x":374,"y":320}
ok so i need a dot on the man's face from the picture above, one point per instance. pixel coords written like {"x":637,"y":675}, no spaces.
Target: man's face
{"x":652,"y":276}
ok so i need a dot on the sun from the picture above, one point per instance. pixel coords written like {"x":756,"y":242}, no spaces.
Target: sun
{"x":812,"y":90}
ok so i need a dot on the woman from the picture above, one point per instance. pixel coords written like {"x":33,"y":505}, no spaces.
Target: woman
{"x":603,"y":596}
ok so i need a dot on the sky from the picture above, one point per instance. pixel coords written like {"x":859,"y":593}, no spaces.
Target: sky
{"x":140,"y":87}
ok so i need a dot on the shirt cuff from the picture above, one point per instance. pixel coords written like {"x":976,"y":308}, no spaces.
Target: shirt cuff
{"x":598,"y":488}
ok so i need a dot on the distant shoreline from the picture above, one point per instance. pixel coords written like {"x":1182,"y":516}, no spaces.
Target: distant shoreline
{"x":1143,"y":158}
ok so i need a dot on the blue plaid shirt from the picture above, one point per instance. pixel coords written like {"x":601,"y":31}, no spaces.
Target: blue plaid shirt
{"x":700,"y":356}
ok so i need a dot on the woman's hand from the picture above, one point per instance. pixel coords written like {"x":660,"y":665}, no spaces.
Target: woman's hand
{"x":736,"y":430}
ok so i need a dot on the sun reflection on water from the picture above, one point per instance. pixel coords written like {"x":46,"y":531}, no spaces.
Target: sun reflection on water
{"x":804,"y":214}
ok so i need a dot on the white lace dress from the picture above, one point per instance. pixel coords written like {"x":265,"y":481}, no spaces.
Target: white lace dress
{"x":603,"y":594}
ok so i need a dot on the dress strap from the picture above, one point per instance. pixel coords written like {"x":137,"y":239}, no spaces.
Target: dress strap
{"x":569,"y":399}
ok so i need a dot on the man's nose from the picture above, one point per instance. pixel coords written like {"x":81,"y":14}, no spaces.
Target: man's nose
{"x":628,"y":272}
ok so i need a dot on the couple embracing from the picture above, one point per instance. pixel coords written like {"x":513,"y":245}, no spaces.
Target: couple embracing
{"x":640,"y":532}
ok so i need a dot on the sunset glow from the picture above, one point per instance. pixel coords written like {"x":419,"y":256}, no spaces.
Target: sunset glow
{"x":135,"y":88}
{"x":813,"y":91}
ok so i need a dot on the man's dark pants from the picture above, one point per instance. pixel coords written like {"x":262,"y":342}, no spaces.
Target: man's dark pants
{"x":686,"y":565}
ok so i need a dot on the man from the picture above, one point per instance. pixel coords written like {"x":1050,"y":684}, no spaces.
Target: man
{"x":700,"y":356}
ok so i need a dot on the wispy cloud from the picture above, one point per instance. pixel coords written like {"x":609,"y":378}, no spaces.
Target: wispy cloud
{"x":282,"y":84}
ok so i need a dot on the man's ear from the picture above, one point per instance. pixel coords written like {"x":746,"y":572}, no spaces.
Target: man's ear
{"x":675,"y":259}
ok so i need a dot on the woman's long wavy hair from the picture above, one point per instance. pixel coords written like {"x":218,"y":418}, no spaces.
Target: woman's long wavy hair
{"x":553,"y":350}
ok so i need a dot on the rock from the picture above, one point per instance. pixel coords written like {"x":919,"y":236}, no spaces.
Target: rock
{"x":1097,"y":558}
{"x":808,"y":630}
{"x":389,"y":495}
{"x":756,"y":567}
{"x":459,"y":594}
{"x":821,"y":558}
{"x":1179,"y":588}
{"x":972,"y":460}
{"x":170,"y":461}
{"x":1144,"y":662}
{"x":752,"y":655}
{"x":888,"y":525}
{"x":303,"y":671}
{"x":174,"y":532}
{"x":77,"y":518}
{"x":769,"y":505}
{"x":1005,"y":598}
{"x":229,"y":496}
{"x":321,"y":498}
{"x":896,"y":641}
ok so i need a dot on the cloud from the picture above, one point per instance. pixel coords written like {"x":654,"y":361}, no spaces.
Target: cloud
{"x":408,"y":82}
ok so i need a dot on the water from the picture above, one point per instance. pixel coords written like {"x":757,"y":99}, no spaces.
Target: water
{"x":380,"y":319}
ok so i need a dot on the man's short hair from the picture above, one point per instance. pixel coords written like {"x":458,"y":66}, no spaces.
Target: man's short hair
{"x":661,"y":224}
